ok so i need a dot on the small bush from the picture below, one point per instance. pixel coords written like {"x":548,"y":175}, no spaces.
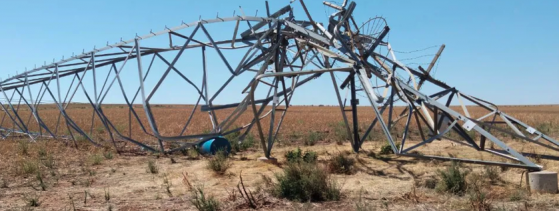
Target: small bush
{"x":29,"y":167}
{"x":233,"y":139}
{"x":42,"y":151}
{"x":387,"y":149}
{"x":452,"y":180}
{"x":152,"y":167}
{"x":203,"y":202}
{"x":293,"y":155}
{"x":479,"y":200}
{"x":545,"y":127}
{"x":303,"y":181}
{"x":96,"y":159}
{"x":49,"y":162}
{"x":298,"y":156}
{"x":246,"y":144}
{"x":492,"y":173}
{"x":3,"y":183}
{"x":341,"y":164}
{"x":108,"y":155}
{"x":312,"y":138}
{"x":429,"y":182}
{"x":41,"y":182}
{"x":233,"y":136}
{"x":32,"y":201}
{"x":518,"y":195}
{"x":107,"y":195}
{"x":192,"y":153}
{"x":167,"y":184}
{"x":219,"y":163}
{"x":340,"y":132}
{"x":23,"y":147}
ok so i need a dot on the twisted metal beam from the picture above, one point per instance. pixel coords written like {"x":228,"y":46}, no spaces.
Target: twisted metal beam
{"x":289,"y":52}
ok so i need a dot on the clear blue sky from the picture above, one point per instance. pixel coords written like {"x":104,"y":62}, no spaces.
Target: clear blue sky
{"x":506,"y":52}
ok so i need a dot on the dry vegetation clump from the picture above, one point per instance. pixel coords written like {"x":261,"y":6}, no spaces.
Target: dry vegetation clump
{"x":219,"y":163}
{"x":429,"y":182}
{"x":236,"y":145}
{"x":96,"y":159}
{"x":192,"y":153}
{"x":341,"y":163}
{"x":27,"y":167}
{"x":108,"y":154}
{"x":152,"y":167}
{"x":23,"y":147}
{"x":452,"y":180}
{"x":250,"y":199}
{"x":32,"y":200}
{"x":312,"y":138}
{"x":303,"y":181}
{"x":492,"y":173}
{"x":204,"y":202}
{"x":297,"y":156}
{"x":478,"y":197}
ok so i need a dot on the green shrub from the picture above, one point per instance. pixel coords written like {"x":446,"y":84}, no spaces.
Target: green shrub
{"x":340,"y":132}
{"x":341,"y":164}
{"x":452,"y":180}
{"x":233,"y":136}
{"x":303,"y":181}
{"x":387,"y":149}
{"x":246,"y":144}
{"x":48,"y":161}
{"x":312,"y":138}
{"x":219,"y":163}
{"x":517,"y":195}
{"x":108,"y":155}
{"x":203,"y":202}
{"x":299,"y":156}
{"x":42,"y":151}
{"x":479,"y":200}
{"x":545,"y":127}
{"x":96,"y":159}
{"x":192,"y":153}
{"x":152,"y":167}
{"x":293,"y":155}
{"x":32,"y":201}
{"x":29,"y":167}
{"x":492,"y":173}
{"x":310,"y":157}
{"x":41,"y":181}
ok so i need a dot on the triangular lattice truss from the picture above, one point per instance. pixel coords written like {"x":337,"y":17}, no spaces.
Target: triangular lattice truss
{"x":279,"y":54}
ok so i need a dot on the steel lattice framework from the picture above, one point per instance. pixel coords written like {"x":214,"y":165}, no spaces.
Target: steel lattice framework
{"x":279,"y":54}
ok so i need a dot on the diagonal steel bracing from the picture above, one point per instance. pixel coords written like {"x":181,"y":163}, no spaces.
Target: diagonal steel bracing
{"x":279,"y":53}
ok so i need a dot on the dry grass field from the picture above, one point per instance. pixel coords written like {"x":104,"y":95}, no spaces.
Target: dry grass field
{"x":49,"y":175}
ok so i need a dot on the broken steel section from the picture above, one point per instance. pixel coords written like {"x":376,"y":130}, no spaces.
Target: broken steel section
{"x":279,"y":51}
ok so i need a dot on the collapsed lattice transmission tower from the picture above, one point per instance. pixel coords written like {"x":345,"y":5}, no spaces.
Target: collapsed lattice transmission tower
{"x":272,"y":56}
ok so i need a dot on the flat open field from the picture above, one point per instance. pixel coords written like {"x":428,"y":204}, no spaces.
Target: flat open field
{"x":60,"y":177}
